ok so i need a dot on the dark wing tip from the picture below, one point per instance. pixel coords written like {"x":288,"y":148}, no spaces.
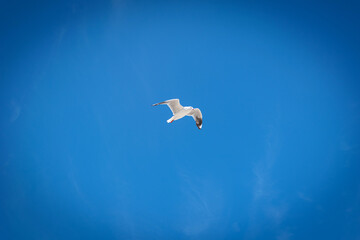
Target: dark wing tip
{"x":159,"y":103}
{"x":199,"y":123}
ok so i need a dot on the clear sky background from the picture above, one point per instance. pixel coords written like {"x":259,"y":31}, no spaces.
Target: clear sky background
{"x":84,"y":155}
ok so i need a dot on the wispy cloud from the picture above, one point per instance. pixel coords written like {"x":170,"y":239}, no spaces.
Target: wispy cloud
{"x":304,"y":197}
{"x":263,"y":184}
{"x":202,"y":206}
{"x":276,"y":213}
{"x":15,"y":110}
{"x":61,"y":35}
{"x":285,"y":235}
{"x":267,"y":204}
{"x":262,"y":170}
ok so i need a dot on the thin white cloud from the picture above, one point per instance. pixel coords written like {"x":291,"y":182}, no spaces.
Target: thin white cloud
{"x":304,"y":197}
{"x":263,"y":183}
{"x":15,"y":111}
{"x":285,"y":235}
{"x":276,"y":213}
{"x":267,"y":204}
{"x":202,"y":205}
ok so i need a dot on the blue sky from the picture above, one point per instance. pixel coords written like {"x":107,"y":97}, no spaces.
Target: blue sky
{"x":84,"y":155}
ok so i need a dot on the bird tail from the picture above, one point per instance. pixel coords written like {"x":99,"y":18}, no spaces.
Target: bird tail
{"x":171,"y":119}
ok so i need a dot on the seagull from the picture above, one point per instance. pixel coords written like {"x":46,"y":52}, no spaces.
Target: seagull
{"x":180,"y":111}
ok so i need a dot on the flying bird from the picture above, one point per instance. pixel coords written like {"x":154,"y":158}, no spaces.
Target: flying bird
{"x":180,"y":111}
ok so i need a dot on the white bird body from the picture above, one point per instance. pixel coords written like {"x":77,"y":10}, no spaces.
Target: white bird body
{"x":180,"y":111}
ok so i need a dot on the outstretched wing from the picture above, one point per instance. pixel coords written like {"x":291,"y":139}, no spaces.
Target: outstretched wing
{"x":174,"y":105}
{"x":197,"y":117}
